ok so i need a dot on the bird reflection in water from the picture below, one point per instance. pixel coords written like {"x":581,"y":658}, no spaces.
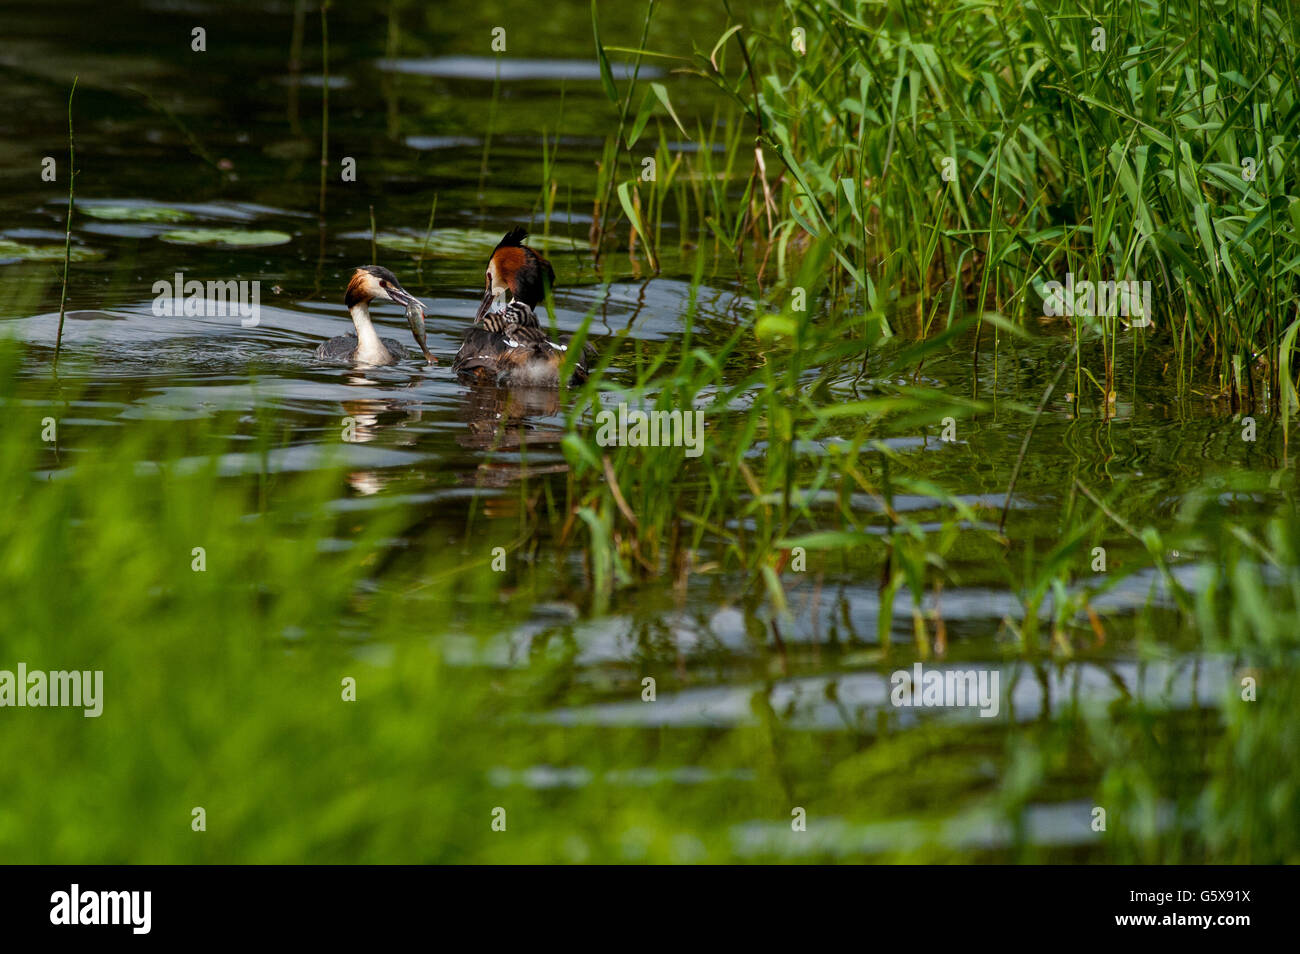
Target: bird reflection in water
{"x":364,"y":418}
{"x":509,"y":420}
{"x":507,"y":423}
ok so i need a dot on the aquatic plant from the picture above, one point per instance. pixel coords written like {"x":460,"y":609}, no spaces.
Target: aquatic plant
{"x":963,"y":156}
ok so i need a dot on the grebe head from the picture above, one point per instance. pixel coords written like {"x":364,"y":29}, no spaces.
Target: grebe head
{"x":515,"y":272}
{"x":376,"y":283}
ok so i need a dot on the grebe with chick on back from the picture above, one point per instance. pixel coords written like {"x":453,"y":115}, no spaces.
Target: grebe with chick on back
{"x":510,"y":348}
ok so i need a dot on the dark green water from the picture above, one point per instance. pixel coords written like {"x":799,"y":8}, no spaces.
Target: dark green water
{"x":230,"y":138}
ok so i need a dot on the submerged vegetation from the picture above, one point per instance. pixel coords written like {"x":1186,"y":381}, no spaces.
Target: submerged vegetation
{"x":838,"y":252}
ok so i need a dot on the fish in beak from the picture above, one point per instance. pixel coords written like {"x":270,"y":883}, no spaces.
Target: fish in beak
{"x":415,"y":318}
{"x":414,"y":315}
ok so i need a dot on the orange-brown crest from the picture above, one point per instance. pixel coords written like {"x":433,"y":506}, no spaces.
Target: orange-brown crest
{"x":508,"y":262}
{"x":359,"y":287}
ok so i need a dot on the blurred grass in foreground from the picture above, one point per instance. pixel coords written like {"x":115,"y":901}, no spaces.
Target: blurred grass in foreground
{"x":223,"y":690}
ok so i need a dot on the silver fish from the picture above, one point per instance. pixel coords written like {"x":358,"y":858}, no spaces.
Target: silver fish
{"x":415,"y":318}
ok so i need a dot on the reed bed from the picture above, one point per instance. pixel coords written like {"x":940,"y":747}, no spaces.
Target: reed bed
{"x":957,"y":157}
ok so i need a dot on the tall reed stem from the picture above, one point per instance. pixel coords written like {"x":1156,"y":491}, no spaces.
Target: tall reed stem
{"x":67,"y":231}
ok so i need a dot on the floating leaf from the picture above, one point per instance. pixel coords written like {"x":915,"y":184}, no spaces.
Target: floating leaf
{"x":135,"y":213}
{"x":11,"y":251}
{"x":230,"y":237}
{"x":457,"y":243}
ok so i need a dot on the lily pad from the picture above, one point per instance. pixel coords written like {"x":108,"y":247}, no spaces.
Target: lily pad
{"x":136,"y":213}
{"x":17,"y":251}
{"x":227,"y":237}
{"x":459,"y":243}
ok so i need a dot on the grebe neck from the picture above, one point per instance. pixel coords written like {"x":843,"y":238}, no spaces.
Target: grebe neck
{"x":370,"y":349}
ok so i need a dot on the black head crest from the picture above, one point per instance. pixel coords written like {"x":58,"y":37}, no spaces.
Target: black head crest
{"x":514,"y":238}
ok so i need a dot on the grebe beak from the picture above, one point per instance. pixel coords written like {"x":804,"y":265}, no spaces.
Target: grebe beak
{"x":486,"y":304}
{"x":404,"y":298}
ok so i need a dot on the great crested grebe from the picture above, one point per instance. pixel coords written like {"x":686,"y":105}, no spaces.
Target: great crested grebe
{"x":510,"y":347}
{"x":370,"y":283}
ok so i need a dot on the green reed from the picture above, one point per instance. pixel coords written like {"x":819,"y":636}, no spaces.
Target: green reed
{"x":1162,"y":152}
{"x":67,"y":231}
{"x":791,"y":463}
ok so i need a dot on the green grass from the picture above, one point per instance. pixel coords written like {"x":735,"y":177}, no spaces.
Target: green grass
{"x":1169,"y":156}
{"x":223,"y":688}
